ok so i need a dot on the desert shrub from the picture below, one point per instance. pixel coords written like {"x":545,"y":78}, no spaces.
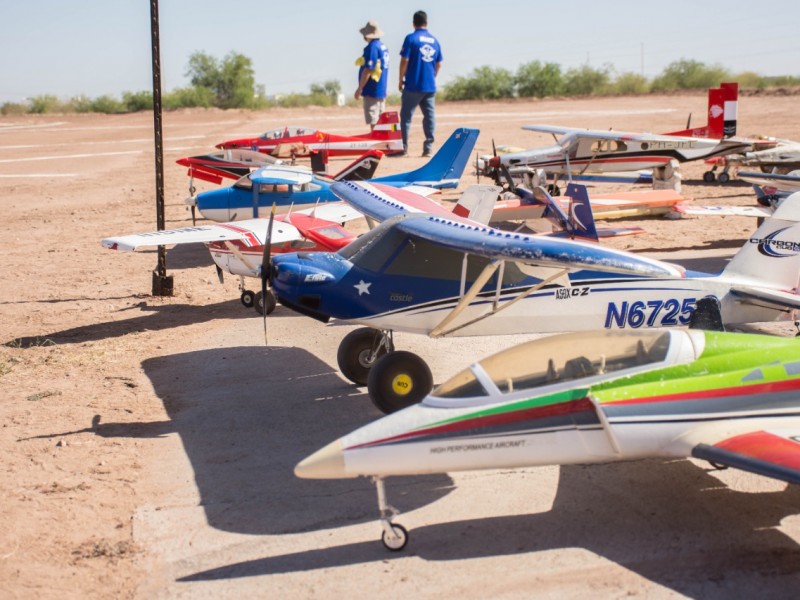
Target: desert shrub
{"x":13,"y":108}
{"x":688,"y":75}
{"x":107,"y":104}
{"x":484,"y":83}
{"x":587,"y":81}
{"x":44,"y":104}
{"x":188,"y":97}
{"x":630,"y":84}
{"x":537,"y":80}
{"x":137,"y":101}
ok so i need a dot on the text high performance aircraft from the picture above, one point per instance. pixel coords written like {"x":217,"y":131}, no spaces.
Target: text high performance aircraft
{"x":729,"y":398}
{"x":436,"y":276}
{"x":287,"y":187}
{"x":237,"y":248}
{"x":292,"y":142}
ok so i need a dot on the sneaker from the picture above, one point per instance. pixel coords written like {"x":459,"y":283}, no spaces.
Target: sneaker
{"x":426,"y":153}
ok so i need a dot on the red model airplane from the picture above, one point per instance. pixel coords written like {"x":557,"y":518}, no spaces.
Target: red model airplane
{"x":292,"y":142}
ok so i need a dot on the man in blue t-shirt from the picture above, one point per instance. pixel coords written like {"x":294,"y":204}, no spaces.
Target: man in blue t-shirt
{"x":373,"y":74}
{"x":420,"y":59}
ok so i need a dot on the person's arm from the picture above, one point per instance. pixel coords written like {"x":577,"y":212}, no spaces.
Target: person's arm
{"x":436,"y":68}
{"x":362,"y":81}
{"x":403,"y":67}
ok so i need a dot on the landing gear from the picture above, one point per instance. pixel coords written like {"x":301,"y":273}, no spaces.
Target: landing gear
{"x":267,"y":306}
{"x":398,"y":380}
{"x":724,"y":177}
{"x":709,"y":176}
{"x":394,"y":536}
{"x":248,"y":298}
{"x":359,"y":350}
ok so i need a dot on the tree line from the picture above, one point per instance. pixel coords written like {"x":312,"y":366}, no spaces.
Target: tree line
{"x":230,"y":83}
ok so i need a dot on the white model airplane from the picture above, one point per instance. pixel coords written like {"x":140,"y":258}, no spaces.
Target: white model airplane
{"x":732,"y":399}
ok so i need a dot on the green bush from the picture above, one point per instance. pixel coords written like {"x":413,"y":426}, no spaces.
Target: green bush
{"x":537,"y":80}
{"x":44,"y":104}
{"x":587,"y":81}
{"x":137,"y":101}
{"x":189,"y":97}
{"x":108,"y":105}
{"x":484,"y":83}
{"x":630,"y":84}
{"x":689,"y":75}
{"x":13,"y":108}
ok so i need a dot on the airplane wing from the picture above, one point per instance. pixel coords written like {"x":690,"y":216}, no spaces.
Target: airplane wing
{"x":336,"y":212}
{"x":281,"y":175}
{"x":723,"y":211}
{"x":381,"y":202}
{"x":773,"y":453}
{"x":252,"y":231}
{"x":601,"y":134}
{"x":784,"y":183}
{"x":531,"y":250}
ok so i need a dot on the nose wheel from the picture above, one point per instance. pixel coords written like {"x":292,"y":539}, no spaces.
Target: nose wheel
{"x":248,"y":298}
{"x":394,"y":536}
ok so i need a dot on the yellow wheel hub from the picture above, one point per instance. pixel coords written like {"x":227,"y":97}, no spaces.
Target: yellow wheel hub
{"x":402,"y":384}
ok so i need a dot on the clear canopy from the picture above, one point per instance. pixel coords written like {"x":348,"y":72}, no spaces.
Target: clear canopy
{"x":558,"y":359}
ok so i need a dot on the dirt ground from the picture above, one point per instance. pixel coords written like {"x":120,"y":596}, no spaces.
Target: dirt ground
{"x":148,"y":443}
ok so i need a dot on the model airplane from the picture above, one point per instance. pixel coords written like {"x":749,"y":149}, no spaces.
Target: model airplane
{"x":288,"y":187}
{"x":235,"y":164}
{"x":435,"y":276}
{"x":292,"y":142}
{"x":729,"y":398}
{"x":580,"y":152}
{"x":780,"y":157}
{"x":237,"y":248}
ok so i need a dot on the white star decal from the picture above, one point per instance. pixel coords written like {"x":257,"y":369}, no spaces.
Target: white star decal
{"x":362,"y":287}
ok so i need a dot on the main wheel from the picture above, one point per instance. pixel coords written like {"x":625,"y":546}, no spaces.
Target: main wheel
{"x":724,"y":177}
{"x":271,"y":303}
{"x":398,"y":380}
{"x":399,"y":541}
{"x":354,"y":353}
{"x":248,"y":298}
{"x":709,"y":176}
{"x":553,"y":190}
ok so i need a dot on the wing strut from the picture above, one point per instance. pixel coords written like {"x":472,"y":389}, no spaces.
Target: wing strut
{"x":488,"y":271}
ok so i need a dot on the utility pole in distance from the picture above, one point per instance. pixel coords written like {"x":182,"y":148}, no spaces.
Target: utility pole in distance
{"x":162,"y":284}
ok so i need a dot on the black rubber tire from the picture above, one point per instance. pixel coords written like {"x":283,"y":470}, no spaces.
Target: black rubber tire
{"x":709,"y":177}
{"x":398,"y":380}
{"x":354,"y":349}
{"x":396,"y":545}
{"x":272,"y":302}
{"x":724,"y":177}
{"x":248,"y":298}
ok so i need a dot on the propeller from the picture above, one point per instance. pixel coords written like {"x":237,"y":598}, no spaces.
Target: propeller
{"x":477,"y":168}
{"x":265,"y":267}
{"x":192,"y":191}
{"x":194,"y":215}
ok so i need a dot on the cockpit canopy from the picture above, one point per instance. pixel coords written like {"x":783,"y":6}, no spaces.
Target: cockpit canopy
{"x":557,"y":359}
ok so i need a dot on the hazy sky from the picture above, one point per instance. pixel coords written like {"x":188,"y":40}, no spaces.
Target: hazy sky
{"x":97,"y":47}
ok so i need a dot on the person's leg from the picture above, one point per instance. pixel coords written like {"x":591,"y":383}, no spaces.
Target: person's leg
{"x":408,"y":104}
{"x":373,"y":107}
{"x":428,"y":106}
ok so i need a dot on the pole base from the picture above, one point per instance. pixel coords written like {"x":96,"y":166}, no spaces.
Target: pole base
{"x":162,"y":285}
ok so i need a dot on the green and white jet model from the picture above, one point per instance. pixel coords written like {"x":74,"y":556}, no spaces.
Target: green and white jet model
{"x":730,"y":398}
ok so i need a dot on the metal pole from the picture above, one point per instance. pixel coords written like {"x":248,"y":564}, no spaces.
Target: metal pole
{"x":162,"y":284}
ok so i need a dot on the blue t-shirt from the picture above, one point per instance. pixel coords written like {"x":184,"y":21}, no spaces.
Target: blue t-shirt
{"x":423,"y":52}
{"x":374,"y":53}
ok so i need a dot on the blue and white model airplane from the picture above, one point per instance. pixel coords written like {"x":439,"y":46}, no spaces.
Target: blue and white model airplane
{"x":439,"y":276}
{"x":290,"y":187}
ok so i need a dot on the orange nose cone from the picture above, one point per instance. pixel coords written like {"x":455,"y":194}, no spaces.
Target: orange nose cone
{"x":494,"y":162}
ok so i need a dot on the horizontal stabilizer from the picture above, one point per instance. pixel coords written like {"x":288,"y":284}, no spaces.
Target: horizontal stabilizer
{"x":766,"y":297}
{"x":774,"y":454}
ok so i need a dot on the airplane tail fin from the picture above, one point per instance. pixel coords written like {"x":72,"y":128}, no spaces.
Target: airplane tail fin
{"x":361,"y":169}
{"x":477,"y":203}
{"x":723,"y":105}
{"x":446,"y":167}
{"x":388,"y":129}
{"x":580,"y":213}
{"x":771,"y":256}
